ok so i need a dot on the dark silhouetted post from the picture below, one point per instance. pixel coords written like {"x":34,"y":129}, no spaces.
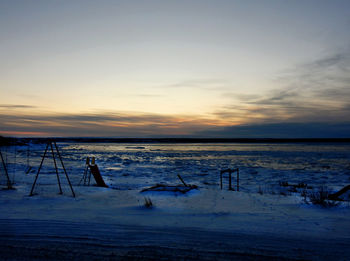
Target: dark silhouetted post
{"x":221,"y":180}
{"x":37,"y":174}
{"x":54,"y":160}
{"x":183,"y":182}
{"x":9,"y":185}
{"x":230,"y":180}
{"x":64,"y":169}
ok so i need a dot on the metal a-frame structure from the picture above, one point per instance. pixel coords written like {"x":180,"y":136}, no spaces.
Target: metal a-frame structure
{"x":51,"y":144}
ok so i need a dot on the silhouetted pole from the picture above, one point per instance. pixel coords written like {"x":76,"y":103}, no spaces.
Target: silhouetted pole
{"x":64,"y":169}
{"x":37,"y":174}
{"x":221,"y":180}
{"x":54,"y":160}
{"x":183,"y":182}
{"x":9,"y":185}
{"x":87,"y":163}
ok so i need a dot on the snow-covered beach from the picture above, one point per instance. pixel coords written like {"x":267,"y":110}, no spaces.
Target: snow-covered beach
{"x":261,"y":221}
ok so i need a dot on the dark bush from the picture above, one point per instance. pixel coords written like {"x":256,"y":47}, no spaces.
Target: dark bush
{"x":319,"y":197}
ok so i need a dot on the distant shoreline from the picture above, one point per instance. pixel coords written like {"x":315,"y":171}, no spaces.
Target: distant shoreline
{"x":182,"y":140}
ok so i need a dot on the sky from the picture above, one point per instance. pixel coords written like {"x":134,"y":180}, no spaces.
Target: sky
{"x":175,"y":68}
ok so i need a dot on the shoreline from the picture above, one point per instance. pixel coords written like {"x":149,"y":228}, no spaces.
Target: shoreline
{"x":6,"y":141}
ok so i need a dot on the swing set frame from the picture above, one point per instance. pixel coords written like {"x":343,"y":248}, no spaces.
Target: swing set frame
{"x":51,"y":144}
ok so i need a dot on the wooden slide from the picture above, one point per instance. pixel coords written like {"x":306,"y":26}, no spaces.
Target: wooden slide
{"x":97,"y":176}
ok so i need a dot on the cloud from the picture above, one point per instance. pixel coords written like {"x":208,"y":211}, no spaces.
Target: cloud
{"x":204,"y":84}
{"x":281,"y":130}
{"x":241,"y":96}
{"x":16,"y":106}
{"x":318,"y":91}
{"x":103,"y":124}
{"x":340,"y":60}
{"x":149,"y":95}
{"x":313,"y":101}
{"x":111,"y":124}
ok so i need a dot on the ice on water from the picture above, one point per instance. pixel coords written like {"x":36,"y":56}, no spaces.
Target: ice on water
{"x":135,"y":166}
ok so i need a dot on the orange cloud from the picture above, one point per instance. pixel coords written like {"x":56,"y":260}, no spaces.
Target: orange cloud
{"x":107,"y":124}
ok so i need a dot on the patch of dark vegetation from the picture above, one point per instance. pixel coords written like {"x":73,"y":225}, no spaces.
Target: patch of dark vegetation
{"x":170,"y":188}
{"x":319,"y":197}
{"x":210,"y":183}
{"x":148,"y":203}
{"x":273,"y":190}
{"x":295,"y":186}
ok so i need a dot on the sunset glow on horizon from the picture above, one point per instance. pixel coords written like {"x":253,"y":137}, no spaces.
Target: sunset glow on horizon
{"x":172,"y":68}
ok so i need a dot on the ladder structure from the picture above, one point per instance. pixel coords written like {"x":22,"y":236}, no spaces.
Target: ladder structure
{"x":92,"y":168}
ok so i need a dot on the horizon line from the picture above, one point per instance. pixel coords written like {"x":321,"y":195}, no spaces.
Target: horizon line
{"x":175,"y":139}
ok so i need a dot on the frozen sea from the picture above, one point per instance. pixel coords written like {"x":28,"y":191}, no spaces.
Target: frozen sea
{"x":130,"y":166}
{"x":208,"y":223}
